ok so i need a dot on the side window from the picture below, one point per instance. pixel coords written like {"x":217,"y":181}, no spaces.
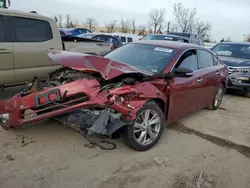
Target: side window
{"x":62,"y":33}
{"x":130,"y":39}
{"x":32,"y":30}
{"x":123,"y":39}
{"x":99,"y":37}
{"x":188,"y":60}
{"x":88,"y":31}
{"x":205,"y":59}
{"x":2,"y":29}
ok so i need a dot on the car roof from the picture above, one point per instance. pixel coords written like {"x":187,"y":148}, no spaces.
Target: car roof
{"x":169,"y":44}
{"x":168,"y":35}
{"x":24,"y":14}
{"x":70,"y":29}
{"x":247,"y":43}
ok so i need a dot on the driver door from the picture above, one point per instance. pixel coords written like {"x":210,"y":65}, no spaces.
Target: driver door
{"x":185,"y":93}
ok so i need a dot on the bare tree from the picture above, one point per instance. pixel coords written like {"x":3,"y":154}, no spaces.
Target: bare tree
{"x":56,"y":19}
{"x":184,"y":17}
{"x":142,"y":30}
{"x":156,"y":20}
{"x":248,"y":38}
{"x":68,"y":21}
{"x":125,"y":26}
{"x":111,"y":27}
{"x":91,"y":23}
{"x":133,"y":26}
{"x":60,"y":20}
{"x":203,"y":28}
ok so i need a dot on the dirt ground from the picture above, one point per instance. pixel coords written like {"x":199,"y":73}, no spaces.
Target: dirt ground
{"x":209,"y":149}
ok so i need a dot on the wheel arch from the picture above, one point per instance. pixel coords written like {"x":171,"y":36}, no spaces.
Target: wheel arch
{"x":161,"y":103}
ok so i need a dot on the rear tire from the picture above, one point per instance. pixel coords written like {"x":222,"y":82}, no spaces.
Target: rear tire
{"x":146,"y":129}
{"x":217,"y":97}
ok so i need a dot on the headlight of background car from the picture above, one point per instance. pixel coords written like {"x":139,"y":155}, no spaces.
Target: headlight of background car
{"x":240,"y":69}
{"x":240,"y":79}
{"x":5,"y":116}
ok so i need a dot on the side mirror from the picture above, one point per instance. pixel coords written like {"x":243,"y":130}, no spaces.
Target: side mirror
{"x":183,"y":72}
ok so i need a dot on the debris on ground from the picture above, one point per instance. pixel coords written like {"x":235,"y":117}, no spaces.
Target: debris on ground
{"x":199,"y":179}
{"x":160,"y":160}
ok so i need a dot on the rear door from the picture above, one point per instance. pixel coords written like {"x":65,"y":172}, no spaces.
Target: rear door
{"x":211,"y":76}
{"x":33,"y":39}
{"x":6,"y":54}
{"x":185,"y":92}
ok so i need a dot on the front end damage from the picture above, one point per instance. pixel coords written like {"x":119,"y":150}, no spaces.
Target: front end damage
{"x":81,"y":98}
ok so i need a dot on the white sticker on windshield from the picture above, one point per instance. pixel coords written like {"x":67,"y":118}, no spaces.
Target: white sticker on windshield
{"x":163,"y":50}
{"x":154,"y":70}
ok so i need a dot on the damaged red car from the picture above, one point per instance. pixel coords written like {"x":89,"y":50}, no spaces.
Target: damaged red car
{"x":134,"y":90}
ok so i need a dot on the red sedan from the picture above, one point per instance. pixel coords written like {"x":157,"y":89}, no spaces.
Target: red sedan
{"x":132,"y":89}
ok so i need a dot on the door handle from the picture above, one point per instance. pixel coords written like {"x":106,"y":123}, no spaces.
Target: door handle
{"x":199,"y":80}
{"x":4,"y":51}
{"x":217,"y":72}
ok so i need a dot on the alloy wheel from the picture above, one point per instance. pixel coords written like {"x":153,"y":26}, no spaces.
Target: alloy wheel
{"x":147,"y":127}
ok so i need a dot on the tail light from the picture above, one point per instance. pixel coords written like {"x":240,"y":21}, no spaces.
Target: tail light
{"x":69,"y":33}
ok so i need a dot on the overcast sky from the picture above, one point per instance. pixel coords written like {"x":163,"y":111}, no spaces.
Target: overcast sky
{"x":229,"y":18}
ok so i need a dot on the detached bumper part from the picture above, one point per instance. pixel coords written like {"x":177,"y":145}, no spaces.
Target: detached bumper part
{"x":4,"y":121}
{"x":103,"y":124}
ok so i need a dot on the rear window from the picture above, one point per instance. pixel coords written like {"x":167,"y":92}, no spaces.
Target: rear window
{"x":146,"y":57}
{"x":162,"y":37}
{"x":32,"y":30}
{"x":180,"y":34}
{"x":2,"y":29}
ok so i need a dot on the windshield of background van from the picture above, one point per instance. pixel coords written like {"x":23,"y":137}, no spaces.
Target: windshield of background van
{"x":233,"y":50}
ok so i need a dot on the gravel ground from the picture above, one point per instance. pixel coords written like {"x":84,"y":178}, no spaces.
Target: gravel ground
{"x":206,"y":149}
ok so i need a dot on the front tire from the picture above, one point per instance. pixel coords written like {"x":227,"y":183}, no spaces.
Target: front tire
{"x":217,"y":97}
{"x":147,"y":128}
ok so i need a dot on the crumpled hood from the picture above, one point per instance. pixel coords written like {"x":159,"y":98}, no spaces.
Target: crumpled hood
{"x":83,"y":62}
{"x":235,"y":62}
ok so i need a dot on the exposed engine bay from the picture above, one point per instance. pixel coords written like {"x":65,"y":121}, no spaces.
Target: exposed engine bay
{"x":63,"y":91}
{"x":91,"y":94}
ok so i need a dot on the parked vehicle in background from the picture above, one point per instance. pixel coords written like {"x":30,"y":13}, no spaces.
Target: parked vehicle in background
{"x":86,"y":35}
{"x":125,"y":37}
{"x":166,"y":37}
{"x":25,"y":39}
{"x":74,"y":31}
{"x":193,"y":38}
{"x":132,"y":89}
{"x":209,"y":45}
{"x":106,"y":38}
{"x":236,"y":55}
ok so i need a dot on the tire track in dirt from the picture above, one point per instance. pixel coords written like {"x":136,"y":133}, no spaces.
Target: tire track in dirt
{"x":180,"y":127}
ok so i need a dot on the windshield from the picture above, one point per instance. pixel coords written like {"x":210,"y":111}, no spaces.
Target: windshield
{"x":146,"y":57}
{"x":233,"y":50}
{"x":161,"y":37}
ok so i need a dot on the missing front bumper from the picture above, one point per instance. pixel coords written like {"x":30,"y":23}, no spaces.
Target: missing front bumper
{"x":93,"y":122}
